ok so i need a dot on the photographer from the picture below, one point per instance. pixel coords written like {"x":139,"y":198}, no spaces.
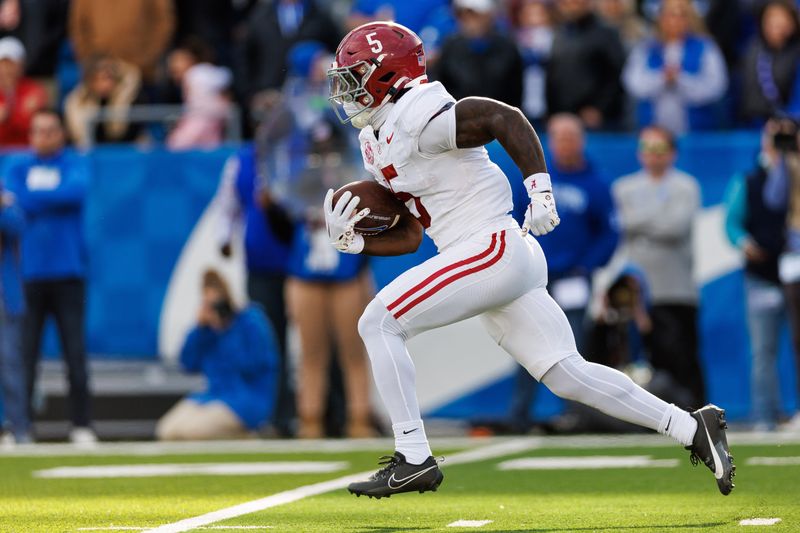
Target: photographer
{"x":781,"y":195}
{"x":621,"y":322}
{"x":237,"y":352}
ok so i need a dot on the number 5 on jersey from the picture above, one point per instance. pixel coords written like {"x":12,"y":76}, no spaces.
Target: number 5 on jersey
{"x":416,"y":208}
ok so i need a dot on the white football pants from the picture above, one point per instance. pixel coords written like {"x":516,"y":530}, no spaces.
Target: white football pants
{"x":501,"y":277}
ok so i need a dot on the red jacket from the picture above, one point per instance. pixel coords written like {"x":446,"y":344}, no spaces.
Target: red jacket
{"x":16,"y":111}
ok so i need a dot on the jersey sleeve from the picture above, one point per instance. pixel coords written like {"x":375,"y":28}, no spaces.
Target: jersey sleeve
{"x":439,"y":135}
{"x":428,"y":103}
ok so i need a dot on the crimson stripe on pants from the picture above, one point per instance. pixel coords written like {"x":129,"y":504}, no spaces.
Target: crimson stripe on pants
{"x":442,"y":272}
{"x":442,"y":284}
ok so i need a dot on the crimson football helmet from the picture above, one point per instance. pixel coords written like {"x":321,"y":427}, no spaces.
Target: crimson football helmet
{"x":374,"y":62}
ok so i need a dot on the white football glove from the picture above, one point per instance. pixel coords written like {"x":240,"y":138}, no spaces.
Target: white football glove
{"x":541,"y":216}
{"x":341,"y":221}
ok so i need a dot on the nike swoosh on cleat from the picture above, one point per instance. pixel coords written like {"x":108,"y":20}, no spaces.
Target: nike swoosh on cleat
{"x":409,"y":431}
{"x":405,"y":481}
{"x":718,"y":470}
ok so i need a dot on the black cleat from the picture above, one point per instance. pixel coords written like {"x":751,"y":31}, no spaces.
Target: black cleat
{"x":711,"y":446}
{"x":399,"y":476}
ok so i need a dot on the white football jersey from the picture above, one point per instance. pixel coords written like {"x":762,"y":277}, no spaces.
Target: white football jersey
{"x":455,"y":194}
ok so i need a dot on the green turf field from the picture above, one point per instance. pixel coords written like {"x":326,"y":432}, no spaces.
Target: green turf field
{"x":661,"y":497}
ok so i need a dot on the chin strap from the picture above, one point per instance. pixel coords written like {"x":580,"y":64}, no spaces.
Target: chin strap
{"x":378,"y":115}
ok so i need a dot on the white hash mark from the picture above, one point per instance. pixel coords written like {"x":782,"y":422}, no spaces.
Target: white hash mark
{"x":469,"y":523}
{"x":759,"y":521}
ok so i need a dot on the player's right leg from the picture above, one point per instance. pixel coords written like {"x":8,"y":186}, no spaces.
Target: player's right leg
{"x":536,"y":332}
{"x":461,"y":282}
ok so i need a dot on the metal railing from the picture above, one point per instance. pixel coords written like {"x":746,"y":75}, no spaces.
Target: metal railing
{"x":165,"y":114}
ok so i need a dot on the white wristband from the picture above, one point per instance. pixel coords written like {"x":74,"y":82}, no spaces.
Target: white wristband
{"x":539,"y":182}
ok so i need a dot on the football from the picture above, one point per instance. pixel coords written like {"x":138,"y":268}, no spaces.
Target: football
{"x":385,"y":209}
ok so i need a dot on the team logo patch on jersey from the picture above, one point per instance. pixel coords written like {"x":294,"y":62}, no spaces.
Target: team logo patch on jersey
{"x":368,"y":155}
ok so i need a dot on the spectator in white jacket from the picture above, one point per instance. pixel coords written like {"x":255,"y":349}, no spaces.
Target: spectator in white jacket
{"x":204,"y":87}
{"x":679,"y":74}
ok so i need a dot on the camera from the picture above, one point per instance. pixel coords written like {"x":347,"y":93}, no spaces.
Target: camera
{"x":785,"y":137}
{"x":223,"y":309}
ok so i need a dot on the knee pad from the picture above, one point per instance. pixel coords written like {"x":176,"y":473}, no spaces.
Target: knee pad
{"x":377,"y":318}
{"x":371,"y":318}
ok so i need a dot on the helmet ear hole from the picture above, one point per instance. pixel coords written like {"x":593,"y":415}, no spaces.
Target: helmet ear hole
{"x":386,"y":77}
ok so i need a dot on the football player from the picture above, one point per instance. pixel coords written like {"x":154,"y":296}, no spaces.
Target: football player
{"x":417,"y":141}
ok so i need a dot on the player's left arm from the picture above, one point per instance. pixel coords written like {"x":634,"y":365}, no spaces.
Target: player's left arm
{"x":479,"y":121}
{"x":404,"y":238}
{"x":340,"y":220}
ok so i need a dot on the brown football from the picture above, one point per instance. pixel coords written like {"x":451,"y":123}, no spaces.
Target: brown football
{"x":385,"y":209}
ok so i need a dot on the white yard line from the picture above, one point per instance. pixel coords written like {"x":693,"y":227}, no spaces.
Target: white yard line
{"x":261,"y":504}
{"x":133,"y":528}
{"x":191,"y":469}
{"x":491,"y":451}
{"x":773,"y":461}
{"x":494,"y":450}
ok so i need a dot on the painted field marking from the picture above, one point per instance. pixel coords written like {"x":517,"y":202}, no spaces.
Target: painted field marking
{"x":591,"y":462}
{"x":130,"y":528}
{"x":773,"y":461}
{"x":759,"y":522}
{"x":469,"y":523}
{"x":481,"y":454}
{"x":192,"y":469}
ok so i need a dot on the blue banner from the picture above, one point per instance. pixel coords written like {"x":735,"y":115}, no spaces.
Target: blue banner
{"x":141,"y":209}
{"x":143,"y":205}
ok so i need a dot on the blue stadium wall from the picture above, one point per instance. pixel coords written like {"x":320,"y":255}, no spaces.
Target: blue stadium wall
{"x":143,"y":206}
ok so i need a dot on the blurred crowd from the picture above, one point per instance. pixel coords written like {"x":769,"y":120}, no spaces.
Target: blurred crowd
{"x":660,"y":68}
{"x":685,"y":65}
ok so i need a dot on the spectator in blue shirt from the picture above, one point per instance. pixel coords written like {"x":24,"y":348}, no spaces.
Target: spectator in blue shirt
{"x":237,"y":353}
{"x":585,"y":240}
{"x":50,"y":185}
{"x":12,"y":308}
